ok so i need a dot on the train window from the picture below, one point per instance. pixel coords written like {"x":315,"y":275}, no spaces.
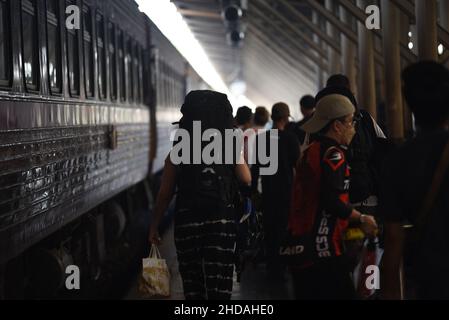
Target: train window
{"x":88,"y":52}
{"x":129,"y":67}
{"x":121,"y":57}
{"x":169,"y":84}
{"x":5,"y":65}
{"x":138,"y":73}
{"x":112,"y":61}
{"x":158,"y":82}
{"x":141,"y":71}
{"x":101,"y":56}
{"x":54,"y":46}
{"x":30,"y":44}
{"x":73,"y":59}
{"x":161,"y":83}
{"x":166,"y":86}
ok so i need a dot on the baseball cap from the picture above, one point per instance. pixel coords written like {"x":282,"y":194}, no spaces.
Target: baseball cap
{"x":329,"y":108}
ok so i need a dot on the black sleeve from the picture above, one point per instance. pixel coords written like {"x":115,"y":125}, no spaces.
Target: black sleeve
{"x":389,"y":203}
{"x":335,"y":184}
{"x":293,"y":150}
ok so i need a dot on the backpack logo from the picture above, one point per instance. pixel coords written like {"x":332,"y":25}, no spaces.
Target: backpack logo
{"x":209,"y":170}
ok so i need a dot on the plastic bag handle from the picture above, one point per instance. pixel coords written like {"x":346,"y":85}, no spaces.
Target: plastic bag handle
{"x":154,"y":252}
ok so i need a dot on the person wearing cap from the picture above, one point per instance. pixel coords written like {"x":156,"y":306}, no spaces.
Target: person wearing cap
{"x":365,"y":155}
{"x":276,"y":189}
{"x":320,"y":204}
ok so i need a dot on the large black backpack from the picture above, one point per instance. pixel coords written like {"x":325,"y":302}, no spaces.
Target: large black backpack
{"x":200,"y":186}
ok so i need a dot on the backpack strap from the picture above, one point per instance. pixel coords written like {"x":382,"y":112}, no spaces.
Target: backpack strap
{"x":434,"y":190}
{"x":305,"y":146}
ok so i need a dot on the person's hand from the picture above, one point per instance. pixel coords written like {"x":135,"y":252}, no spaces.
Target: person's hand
{"x":154,"y":237}
{"x":368,"y":225}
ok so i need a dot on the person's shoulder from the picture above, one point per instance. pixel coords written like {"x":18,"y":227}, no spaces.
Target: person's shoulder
{"x":422,"y":145}
{"x":334,"y":157}
{"x":411,"y":151}
{"x":290,"y":136}
{"x":299,"y":124}
{"x":303,"y":121}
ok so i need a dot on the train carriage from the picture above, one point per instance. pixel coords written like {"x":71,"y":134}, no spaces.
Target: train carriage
{"x":85,"y":117}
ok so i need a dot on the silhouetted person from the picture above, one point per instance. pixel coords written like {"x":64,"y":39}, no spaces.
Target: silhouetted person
{"x":408,"y":180}
{"x":261,"y":118}
{"x":205,"y":226}
{"x":244,"y":118}
{"x":307,"y":105}
{"x":276,"y":189}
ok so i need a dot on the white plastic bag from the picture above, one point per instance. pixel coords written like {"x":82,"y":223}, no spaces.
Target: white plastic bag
{"x":155,"y":280}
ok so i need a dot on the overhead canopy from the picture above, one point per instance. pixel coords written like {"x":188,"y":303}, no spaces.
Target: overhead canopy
{"x":290,"y":47}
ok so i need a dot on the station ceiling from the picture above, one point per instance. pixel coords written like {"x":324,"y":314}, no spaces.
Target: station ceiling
{"x":272,"y":62}
{"x":285,"y":51}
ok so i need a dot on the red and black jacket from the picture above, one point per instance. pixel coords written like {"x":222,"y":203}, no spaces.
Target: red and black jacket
{"x":320,"y":205}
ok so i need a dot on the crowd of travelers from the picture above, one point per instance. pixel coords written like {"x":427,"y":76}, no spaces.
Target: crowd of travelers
{"x":344,"y":197}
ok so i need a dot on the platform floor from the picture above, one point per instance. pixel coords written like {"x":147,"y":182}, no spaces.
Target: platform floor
{"x":254,"y":283}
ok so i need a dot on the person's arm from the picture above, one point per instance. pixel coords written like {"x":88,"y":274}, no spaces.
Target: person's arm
{"x":295,"y":150}
{"x":335,"y":184}
{"x":391,"y":210}
{"x":391,"y":286}
{"x":243,"y":172}
{"x":335,"y":188}
{"x":164,"y":197}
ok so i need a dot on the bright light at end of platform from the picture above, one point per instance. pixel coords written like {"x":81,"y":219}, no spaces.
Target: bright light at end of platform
{"x":166,"y":17}
{"x":440,"y":49}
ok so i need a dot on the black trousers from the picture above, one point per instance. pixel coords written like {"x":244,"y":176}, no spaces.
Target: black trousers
{"x":328,"y":280}
{"x":275,"y":219}
{"x":205,"y":245}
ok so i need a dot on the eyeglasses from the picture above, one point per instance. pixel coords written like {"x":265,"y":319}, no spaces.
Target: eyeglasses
{"x":351,"y":123}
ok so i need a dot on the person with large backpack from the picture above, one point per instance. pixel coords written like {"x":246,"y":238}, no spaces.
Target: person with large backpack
{"x":320,"y":210}
{"x":205,"y":226}
{"x":365,"y":155}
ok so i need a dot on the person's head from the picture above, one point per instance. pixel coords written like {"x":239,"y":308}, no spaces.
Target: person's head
{"x":307,"y":104}
{"x":280,"y":115}
{"x":338,"y":80}
{"x":334,"y":118}
{"x":337,"y":90}
{"x":261,"y":117}
{"x":426,"y":90}
{"x":244,"y":118}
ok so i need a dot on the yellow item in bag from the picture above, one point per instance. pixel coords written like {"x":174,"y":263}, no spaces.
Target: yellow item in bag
{"x":155,"y":280}
{"x":353,"y":234}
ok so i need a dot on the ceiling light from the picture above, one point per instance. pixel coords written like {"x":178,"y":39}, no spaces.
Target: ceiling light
{"x":170,"y":22}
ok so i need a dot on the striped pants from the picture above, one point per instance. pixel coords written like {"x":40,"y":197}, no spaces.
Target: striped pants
{"x":206,"y":246}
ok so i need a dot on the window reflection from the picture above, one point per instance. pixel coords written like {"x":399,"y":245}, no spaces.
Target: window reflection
{"x":88,"y":52}
{"x":112,"y":61}
{"x":4,"y":52}
{"x":30,"y":44}
{"x":54,"y":46}
{"x":73,"y":59}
